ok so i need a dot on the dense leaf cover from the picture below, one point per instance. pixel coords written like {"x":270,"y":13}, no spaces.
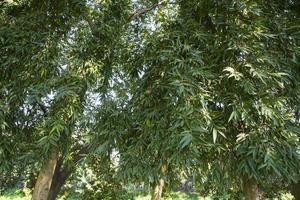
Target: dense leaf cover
{"x":205,"y":88}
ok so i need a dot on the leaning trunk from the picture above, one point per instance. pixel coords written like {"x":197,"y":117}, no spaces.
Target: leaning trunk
{"x":62,"y":173}
{"x":59,"y":179}
{"x":295,"y":190}
{"x":250,"y":189}
{"x":44,"y":180}
{"x":55,"y":189}
{"x":157,"y":190}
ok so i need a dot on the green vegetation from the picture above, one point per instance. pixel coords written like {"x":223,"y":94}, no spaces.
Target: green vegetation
{"x":106,"y":97}
{"x":178,"y":196}
{"x":15,"y":194}
{"x":25,"y":194}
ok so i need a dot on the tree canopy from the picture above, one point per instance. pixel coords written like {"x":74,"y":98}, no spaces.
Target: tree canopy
{"x":203,"y":88}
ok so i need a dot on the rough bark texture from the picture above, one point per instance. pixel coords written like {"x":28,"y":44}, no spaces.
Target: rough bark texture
{"x":59,"y":178}
{"x":44,"y":180}
{"x":157,"y":190}
{"x":295,"y":190}
{"x":63,"y":171}
{"x":250,"y":189}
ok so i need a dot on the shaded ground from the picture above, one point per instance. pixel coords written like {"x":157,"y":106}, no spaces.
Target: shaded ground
{"x":18,"y":194}
{"x":25,"y":194}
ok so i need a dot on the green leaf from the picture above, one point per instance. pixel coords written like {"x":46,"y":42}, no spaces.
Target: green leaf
{"x":233,"y":115}
{"x":215,"y":134}
{"x":186,"y":140}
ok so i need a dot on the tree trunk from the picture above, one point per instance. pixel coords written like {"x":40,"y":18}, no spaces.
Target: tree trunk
{"x":44,"y":180}
{"x":157,"y":190}
{"x":295,"y":190}
{"x":250,"y":189}
{"x":62,"y":173}
{"x":57,"y":184}
{"x":59,"y":179}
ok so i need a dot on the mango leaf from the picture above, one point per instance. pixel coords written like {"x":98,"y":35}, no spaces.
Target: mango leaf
{"x":186,"y":140}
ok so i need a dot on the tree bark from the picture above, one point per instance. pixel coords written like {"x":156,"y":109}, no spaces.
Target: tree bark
{"x":295,"y":190}
{"x":62,"y":173}
{"x":44,"y":180}
{"x":250,"y":189}
{"x":59,"y":180}
{"x":157,"y":190}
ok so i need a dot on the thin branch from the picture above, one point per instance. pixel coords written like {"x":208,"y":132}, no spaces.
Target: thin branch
{"x":92,"y":26}
{"x":43,"y":108}
{"x":134,"y":16}
{"x":81,"y":153}
{"x":143,"y":11}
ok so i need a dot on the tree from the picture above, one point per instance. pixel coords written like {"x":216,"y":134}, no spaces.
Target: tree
{"x":62,"y":52}
{"x":207,"y":87}
{"x":213,"y":82}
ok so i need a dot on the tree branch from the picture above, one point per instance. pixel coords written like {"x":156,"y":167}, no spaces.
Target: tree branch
{"x":43,"y":108}
{"x":81,"y":153}
{"x":143,"y":11}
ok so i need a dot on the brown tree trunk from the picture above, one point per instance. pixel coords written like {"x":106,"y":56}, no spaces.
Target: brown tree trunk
{"x":157,"y":190}
{"x":295,"y":190}
{"x":62,"y":173}
{"x":250,"y":189}
{"x":44,"y":180}
{"x":59,"y":178}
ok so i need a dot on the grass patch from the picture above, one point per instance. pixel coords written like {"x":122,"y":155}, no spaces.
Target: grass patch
{"x":25,"y":194}
{"x":16,"y":194}
{"x":176,"y":196}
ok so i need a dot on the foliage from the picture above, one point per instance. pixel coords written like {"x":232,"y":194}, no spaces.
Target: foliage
{"x":209,"y":88}
{"x":211,"y":94}
{"x":96,"y":179}
{"x":15,"y":194}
